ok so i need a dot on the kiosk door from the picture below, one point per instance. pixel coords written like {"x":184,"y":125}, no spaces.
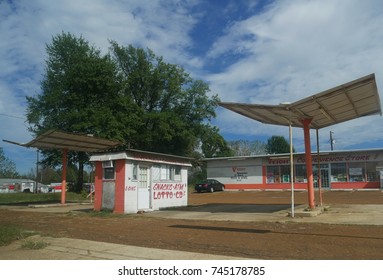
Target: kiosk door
{"x":108,"y":191}
{"x":143,"y":188}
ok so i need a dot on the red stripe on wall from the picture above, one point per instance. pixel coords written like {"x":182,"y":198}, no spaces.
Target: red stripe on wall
{"x":302,"y":186}
{"x":276,"y":186}
{"x":98,"y":186}
{"x":264,"y":174}
{"x":355,"y":185}
{"x":119,"y":201}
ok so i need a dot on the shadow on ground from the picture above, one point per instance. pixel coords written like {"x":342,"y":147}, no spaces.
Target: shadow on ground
{"x":233,"y":208}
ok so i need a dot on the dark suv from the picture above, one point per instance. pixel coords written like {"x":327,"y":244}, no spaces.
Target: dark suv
{"x":209,"y":185}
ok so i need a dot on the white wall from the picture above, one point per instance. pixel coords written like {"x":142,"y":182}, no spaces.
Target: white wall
{"x":170,"y":193}
{"x":163,"y":193}
{"x":245,"y":171}
{"x":131,"y":188}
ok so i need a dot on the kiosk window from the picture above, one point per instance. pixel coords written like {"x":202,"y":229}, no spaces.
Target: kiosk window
{"x":156,"y":172}
{"x":108,"y":170}
{"x":134,"y":171}
{"x":167,"y":172}
{"x":177,"y":173}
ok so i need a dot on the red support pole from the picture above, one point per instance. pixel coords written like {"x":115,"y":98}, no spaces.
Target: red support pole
{"x":309,"y":165}
{"x":63,"y":176}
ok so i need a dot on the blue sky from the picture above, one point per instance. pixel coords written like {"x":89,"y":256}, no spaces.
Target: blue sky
{"x":249,"y":51}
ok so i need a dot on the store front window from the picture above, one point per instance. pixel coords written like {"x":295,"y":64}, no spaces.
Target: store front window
{"x":338,"y":172}
{"x":372,"y":173}
{"x":278,"y":174}
{"x":300,"y":173}
{"x":285,"y":173}
{"x":356,"y":172}
{"x":273,"y":174}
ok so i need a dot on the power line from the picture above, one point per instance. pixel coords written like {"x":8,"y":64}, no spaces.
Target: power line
{"x":11,"y":116}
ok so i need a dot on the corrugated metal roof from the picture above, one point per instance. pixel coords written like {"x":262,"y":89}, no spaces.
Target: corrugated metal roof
{"x":53,"y":139}
{"x":140,"y":155}
{"x":377,"y":151}
{"x":349,"y":101}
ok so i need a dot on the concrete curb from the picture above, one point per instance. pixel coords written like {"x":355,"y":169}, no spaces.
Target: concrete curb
{"x":77,"y":249}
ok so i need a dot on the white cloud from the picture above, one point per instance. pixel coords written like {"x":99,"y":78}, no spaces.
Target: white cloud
{"x":298,"y":48}
{"x":284,"y":52}
{"x":314,"y":41}
{"x":27,"y":26}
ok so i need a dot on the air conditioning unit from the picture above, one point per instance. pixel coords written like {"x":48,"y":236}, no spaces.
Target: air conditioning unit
{"x":107,"y":164}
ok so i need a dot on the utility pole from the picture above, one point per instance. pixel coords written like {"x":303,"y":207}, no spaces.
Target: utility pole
{"x":332,"y":141}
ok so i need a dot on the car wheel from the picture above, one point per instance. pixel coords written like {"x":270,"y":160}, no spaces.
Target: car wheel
{"x":211,"y":189}
{"x":198,"y":191}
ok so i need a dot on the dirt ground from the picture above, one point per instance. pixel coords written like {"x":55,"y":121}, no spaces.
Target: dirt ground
{"x":258,"y":240}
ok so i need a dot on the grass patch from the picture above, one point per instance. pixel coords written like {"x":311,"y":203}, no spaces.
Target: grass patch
{"x":35,"y":198}
{"x":103,"y":213}
{"x":34,"y":244}
{"x":10,"y":233}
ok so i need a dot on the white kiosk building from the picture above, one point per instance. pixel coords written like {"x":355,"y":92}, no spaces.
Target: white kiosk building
{"x":132,"y":181}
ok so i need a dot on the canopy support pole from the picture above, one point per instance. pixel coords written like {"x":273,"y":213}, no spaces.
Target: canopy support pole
{"x":63,"y":176}
{"x":319,"y":171}
{"x":291,"y":171}
{"x":309,"y":166}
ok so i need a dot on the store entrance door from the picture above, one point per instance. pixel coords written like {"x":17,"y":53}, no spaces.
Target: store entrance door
{"x":325,"y":178}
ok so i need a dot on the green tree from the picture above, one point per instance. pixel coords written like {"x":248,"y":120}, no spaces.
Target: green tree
{"x":277,"y":145}
{"x":172,"y":108}
{"x":213,"y":144}
{"x":49,"y":175}
{"x":247,"y":148}
{"x":7,"y":166}
{"x":80,"y":93}
{"x":130,"y":95}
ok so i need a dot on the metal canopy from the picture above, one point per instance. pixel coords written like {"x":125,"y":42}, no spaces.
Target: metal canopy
{"x":53,"y":139}
{"x":65,"y":141}
{"x":349,"y":101}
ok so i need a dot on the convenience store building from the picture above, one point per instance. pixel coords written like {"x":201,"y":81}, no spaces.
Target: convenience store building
{"x":352,"y":100}
{"x":341,"y":170}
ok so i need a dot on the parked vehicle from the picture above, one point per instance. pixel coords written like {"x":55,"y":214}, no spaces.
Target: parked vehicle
{"x":55,"y":187}
{"x":17,"y":185}
{"x":209,"y":185}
